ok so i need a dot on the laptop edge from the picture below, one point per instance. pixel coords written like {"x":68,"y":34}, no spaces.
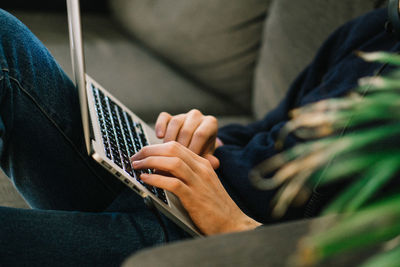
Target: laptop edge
{"x":181,"y":217}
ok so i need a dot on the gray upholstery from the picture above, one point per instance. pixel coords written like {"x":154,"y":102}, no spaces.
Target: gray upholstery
{"x":214,"y":41}
{"x":292,"y":34}
{"x":269,"y":246}
{"x":9,"y":197}
{"x":141,"y":80}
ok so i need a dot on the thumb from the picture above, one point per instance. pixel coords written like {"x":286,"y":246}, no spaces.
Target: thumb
{"x":213,"y":160}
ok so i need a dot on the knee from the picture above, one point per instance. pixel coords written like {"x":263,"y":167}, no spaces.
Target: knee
{"x":10,"y":26}
{"x":16,"y":41}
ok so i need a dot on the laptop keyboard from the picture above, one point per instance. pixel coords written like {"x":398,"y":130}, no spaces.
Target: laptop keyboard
{"x":122,"y":138}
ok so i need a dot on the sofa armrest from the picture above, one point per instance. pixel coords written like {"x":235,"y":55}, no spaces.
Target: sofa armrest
{"x":265,"y":246}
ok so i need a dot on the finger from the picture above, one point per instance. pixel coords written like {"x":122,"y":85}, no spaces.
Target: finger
{"x":161,"y":124}
{"x":170,"y":184}
{"x":172,"y":165}
{"x":208,"y":148}
{"x":170,"y":149}
{"x":192,"y":121}
{"x":162,"y":173}
{"x":214,"y":161}
{"x":173,"y":127}
{"x":204,"y":133}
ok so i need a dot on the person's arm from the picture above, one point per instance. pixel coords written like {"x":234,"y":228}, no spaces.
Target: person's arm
{"x":192,"y":179}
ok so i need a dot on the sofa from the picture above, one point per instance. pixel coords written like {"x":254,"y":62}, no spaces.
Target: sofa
{"x":231,"y":59}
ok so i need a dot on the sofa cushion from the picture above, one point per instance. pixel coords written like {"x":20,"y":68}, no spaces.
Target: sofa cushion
{"x":292,"y":35}
{"x":54,"y":5}
{"x":216,"y":42}
{"x":9,"y":196}
{"x":135,"y":76}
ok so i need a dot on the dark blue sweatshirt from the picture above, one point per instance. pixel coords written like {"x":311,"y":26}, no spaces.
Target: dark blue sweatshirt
{"x":333,"y":73}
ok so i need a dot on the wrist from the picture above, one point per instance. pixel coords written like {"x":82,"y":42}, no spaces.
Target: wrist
{"x":245,"y":223}
{"x":249,"y":224}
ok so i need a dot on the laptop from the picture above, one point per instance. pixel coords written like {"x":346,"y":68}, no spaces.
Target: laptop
{"x":113,"y":133}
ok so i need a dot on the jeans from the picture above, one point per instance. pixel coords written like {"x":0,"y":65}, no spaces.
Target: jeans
{"x":81,"y":214}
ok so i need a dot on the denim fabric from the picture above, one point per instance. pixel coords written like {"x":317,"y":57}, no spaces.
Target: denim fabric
{"x":81,"y":215}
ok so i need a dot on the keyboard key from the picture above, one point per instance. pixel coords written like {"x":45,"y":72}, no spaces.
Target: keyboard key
{"x":122,"y":137}
{"x":161,"y":195}
{"x":151,"y":189}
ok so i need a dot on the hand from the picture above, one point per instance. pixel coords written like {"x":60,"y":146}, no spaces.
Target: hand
{"x":192,"y":179}
{"x":193,"y":130}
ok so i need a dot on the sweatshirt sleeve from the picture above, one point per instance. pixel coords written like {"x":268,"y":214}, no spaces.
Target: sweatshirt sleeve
{"x":333,"y":73}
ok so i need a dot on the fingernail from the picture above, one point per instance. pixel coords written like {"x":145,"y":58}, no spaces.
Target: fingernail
{"x":135,"y":163}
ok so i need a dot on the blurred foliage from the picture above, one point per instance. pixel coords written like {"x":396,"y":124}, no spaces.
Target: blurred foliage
{"x":355,"y":139}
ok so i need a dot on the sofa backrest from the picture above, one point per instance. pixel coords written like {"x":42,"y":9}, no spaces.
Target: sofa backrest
{"x":214,"y":42}
{"x":218,"y":42}
{"x":292,"y":33}
{"x":54,"y":5}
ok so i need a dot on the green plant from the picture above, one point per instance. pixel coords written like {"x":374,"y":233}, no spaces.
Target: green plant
{"x":356,"y":139}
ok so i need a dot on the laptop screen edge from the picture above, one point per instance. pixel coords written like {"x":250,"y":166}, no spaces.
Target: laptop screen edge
{"x":78,"y":66}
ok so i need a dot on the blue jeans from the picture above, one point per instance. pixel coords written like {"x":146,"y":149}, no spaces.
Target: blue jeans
{"x":81,"y":215}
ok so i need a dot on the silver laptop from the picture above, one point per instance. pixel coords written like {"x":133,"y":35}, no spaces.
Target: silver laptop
{"x":113,"y":133}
